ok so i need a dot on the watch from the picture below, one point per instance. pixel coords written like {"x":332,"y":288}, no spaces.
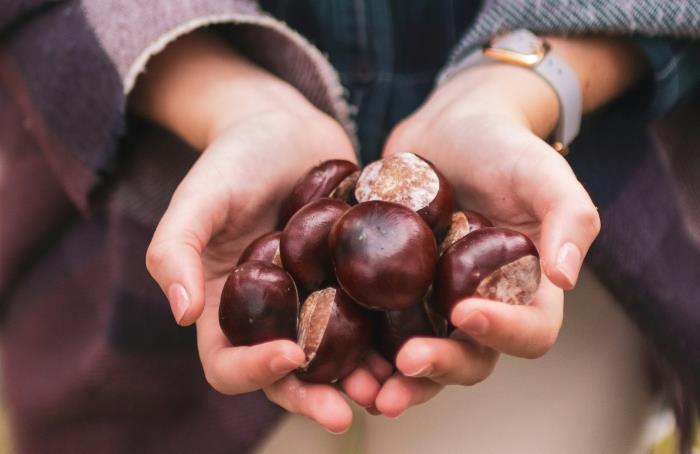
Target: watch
{"x":523,"y":48}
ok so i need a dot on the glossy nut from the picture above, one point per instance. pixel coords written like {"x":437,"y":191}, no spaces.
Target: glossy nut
{"x":259,"y":303}
{"x":412,"y":181}
{"x":334,"y":178}
{"x":397,"y":327}
{"x":463,"y":222}
{"x":335,"y":335}
{"x":493,"y":263}
{"x":304,"y":243}
{"x":265,"y":248}
{"x":384,"y":255}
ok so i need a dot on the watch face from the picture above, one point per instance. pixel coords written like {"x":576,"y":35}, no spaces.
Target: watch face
{"x":520,"y":48}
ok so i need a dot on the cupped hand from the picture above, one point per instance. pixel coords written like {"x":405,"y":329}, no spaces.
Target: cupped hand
{"x":478,"y":130}
{"x":230,"y":196}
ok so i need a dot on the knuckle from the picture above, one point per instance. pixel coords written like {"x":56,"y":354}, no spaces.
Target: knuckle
{"x":539,"y":349}
{"x":591,"y":219}
{"x":213,"y":381}
{"x":155,"y":257}
{"x":399,"y":138}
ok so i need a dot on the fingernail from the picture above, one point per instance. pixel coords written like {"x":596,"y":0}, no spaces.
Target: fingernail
{"x":340,"y":432}
{"x":179,"y":301}
{"x":475,"y":323}
{"x":282,"y":364}
{"x":569,"y":262}
{"x":421,"y":372}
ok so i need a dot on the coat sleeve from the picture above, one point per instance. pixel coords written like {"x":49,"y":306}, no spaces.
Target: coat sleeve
{"x":664,"y":30}
{"x":71,"y":65}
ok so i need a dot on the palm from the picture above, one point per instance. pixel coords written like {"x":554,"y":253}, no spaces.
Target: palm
{"x":229,"y":197}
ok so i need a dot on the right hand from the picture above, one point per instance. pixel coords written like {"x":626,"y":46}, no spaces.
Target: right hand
{"x":259,"y":135}
{"x":229,"y":197}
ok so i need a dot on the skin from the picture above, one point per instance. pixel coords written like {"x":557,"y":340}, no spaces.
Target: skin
{"x":483,"y":128}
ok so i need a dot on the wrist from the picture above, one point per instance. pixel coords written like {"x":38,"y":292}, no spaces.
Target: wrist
{"x":199,"y":85}
{"x":512,"y":92}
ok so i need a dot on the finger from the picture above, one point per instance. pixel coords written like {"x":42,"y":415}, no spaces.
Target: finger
{"x":570,"y":220}
{"x":237,"y":370}
{"x":527,"y":331}
{"x":174,"y":257}
{"x":320,"y":403}
{"x":241,"y":369}
{"x":378,"y":366}
{"x":361,"y":386}
{"x":446,"y":361}
{"x":400,"y":392}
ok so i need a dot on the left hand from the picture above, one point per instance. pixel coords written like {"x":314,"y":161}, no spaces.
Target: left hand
{"x":478,"y":129}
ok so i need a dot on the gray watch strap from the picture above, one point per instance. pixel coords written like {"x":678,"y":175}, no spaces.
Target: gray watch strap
{"x":552,"y":69}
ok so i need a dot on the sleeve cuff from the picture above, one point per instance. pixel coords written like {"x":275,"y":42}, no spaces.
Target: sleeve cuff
{"x":77,"y":63}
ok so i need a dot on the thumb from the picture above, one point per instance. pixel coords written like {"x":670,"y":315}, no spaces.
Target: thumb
{"x":174,"y":257}
{"x":570,"y":221}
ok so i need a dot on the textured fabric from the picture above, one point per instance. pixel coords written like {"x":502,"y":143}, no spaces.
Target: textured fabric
{"x":75,"y":40}
{"x":675,"y":65}
{"x":386,"y":52}
{"x":672,"y":61}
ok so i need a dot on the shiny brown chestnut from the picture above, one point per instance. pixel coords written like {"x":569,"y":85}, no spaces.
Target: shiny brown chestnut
{"x":304,"y":243}
{"x":463,"y":222}
{"x":395,"y":328}
{"x":335,"y":335}
{"x":265,"y":248}
{"x":412,"y":181}
{"x":384,"y":255}
{"x":259,"y":303}
{"x":334,"y":178}
{"x":493,"y":263}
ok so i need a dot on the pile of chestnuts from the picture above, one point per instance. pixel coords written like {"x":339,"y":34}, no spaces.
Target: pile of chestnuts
{"x":366,"y":260}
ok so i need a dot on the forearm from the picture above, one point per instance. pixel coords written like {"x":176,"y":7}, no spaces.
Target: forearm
{"x":605,"y":67}
{"x":199,"y":85}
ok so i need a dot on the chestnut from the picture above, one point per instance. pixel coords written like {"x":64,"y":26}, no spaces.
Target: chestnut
{"x":493,"y":263}
{"x":463,"y":222}
{"x":384,"y":255}
{"x":334,"y":178}
{"x":265,"y":248}
{"x":397,"y":327}
{"x":335,"y":335}
{"x":304,"y":243}
{"x":412,"y":181}
{"x":259,"y":303}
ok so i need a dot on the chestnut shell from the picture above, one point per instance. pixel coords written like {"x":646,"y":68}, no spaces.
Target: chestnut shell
{"x":384,"y":255}
{"x":319,"y":181}
{"x":398,"y":170}
{"x":462,"y":223}
{"x":397,"y":327}
{"x":259,"y":303}
{"x":335,"y":335}
{"x":304,"y":243}
{"x":475,"y":258}
{"x":265,"y":248}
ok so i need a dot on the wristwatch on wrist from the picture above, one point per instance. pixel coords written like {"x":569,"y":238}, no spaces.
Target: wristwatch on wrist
{"x":523,"y":48}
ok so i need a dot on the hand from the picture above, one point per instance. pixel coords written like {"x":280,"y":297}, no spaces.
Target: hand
{"x":258,"y":135}
{"x":477,"y":129}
